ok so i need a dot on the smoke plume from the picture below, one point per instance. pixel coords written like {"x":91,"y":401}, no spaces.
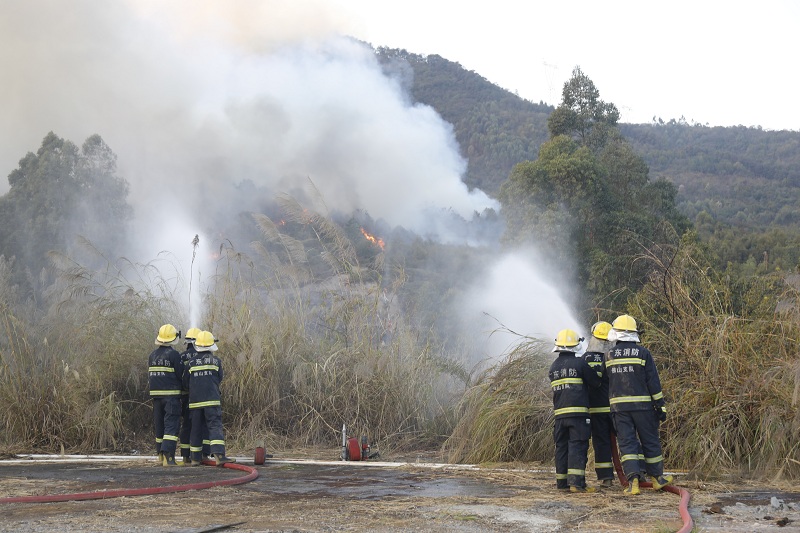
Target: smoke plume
{"x":199,"y":97}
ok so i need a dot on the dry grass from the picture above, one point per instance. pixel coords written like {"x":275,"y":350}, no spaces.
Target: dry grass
{"x":508,"y":414}
{"x":729,"y":365}
{"x":304,"y":336}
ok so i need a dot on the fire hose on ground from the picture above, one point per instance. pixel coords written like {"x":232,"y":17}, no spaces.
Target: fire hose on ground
{"x":683,"y":507}
{"x":252,"y":474}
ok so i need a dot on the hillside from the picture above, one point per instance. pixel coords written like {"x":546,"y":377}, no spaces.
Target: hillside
{"x":744,"y":177}
{"x":494,"y":128}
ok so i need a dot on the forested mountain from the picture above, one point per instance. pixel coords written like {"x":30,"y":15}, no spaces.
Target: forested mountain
{"x":739,"y":176}
{"x":743,"y":176}
{"x":494,"y":128}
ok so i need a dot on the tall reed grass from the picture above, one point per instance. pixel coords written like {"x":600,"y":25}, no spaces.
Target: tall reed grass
{"x":729,"y":364}
{"x":310,"y":339}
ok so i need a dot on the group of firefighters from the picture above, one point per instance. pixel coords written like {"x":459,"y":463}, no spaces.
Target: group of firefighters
{"x":184,"y":388}
{"x":612,"y":387}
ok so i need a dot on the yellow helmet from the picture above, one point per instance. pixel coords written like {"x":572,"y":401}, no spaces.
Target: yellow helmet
{"x":191,"y":334}
{"x":599,"y":330}
{"x":625,"y":323}
{"x":167,"y":334}
{"x":205,"y":342}
{"x":567,"y":338}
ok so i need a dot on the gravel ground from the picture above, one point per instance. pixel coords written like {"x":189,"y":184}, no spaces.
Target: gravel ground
{"x":302,"y":497}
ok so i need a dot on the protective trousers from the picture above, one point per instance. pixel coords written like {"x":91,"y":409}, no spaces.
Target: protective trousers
{"x":601,"y":443}
{"x":635,"y":428}
{"x":209,"y":418}
{"x":186,"y":426}
{"x":166,"y":422}
{"x":571,"y":435}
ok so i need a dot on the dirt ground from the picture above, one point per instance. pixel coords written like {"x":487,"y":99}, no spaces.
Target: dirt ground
{"x":298,"y":496}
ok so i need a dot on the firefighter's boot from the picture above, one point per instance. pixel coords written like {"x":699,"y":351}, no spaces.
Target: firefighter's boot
{"x":220,"y":459}
{"x":606,"y":483}
{"x":169,"y":459}
{"x":662,"y":482}
{"x":575,"y":489}
{"x":160,"y":458}
{"x":633,"y":488}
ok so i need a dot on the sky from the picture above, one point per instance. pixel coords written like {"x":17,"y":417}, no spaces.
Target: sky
{"x":721,"y":63}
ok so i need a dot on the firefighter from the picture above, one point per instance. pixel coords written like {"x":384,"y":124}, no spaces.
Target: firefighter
{"x":186,"y":419}
{"x":570,"y":377}
{"x":205,"y":376}
{"x":165,"y":372}
{"x":599,"y":409}
{"x":637,"y":405}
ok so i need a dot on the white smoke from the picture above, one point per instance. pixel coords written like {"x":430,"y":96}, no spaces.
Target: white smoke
{"x":514,"y":301}
{"x":190,"y":112}
{"x":196,"y":97}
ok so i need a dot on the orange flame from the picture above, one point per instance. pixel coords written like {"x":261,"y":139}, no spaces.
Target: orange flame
{"x":372,"y":238}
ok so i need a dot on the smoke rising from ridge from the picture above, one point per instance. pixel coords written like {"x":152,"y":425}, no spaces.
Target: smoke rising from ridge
{"x":189,"y":115}
{"x":196,"y":98}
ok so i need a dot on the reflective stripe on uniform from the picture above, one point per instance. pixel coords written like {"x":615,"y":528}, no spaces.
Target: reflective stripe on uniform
{"x":561,"y":476}
{"x":576,"y":472}
{"x":160,"y":369}
{"x":652,"y":460}
{"x":203,"y":367}
{"x":565,"y":410}
{"x":657,"y":396}
{"x":625,"y":361}
{"x":171,"y":437}
{"x":629,"y":399}
{"x":174,"y":392}
{"x":564,"y":381}
{"x":209,"y":403}
{"x":603,"y":465}
{"x":629,"y":457}
{"x":598,"y":410}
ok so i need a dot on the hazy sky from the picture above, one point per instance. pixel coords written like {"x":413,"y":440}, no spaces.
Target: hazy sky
{"x":723,"y":63}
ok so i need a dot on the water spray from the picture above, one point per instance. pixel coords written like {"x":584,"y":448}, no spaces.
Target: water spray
{"x":195,"y":243}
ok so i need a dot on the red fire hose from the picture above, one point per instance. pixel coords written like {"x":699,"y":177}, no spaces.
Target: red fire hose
{"x":252,"y":474}
{"x":683,"y":508}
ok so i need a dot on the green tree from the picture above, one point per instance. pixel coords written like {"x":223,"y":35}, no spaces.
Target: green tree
{"x":60,"y":192}
{"x":582,"y":113}
{"x":587,"y":199}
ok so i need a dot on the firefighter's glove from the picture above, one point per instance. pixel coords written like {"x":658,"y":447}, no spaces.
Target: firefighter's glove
{"x":661,"y":413}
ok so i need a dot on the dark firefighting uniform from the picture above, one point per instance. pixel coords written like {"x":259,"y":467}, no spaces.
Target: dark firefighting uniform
{"x":186,"y":419}
{"x":205,"y":376}
{"x":570,"y":377}
{"x":600,"y":414}
{"x":635,"y":397}
{"x":165,"y":372}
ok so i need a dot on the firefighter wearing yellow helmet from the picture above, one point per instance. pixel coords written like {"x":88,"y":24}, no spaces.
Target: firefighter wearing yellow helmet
{"x":637,"y":405}
{"x":205,"y":376}
{"x":186,"y":420}
{"x":165,"y":377}
{"x":599,"y":409}
{"x":570,"y":379}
